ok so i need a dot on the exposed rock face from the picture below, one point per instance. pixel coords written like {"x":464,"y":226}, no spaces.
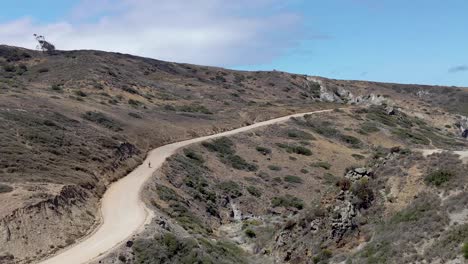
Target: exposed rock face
{"x":346,"y":210}
{"x":462,"y":124}
{"x":358,"y":173}
{"x":343,"y":217}
{"x":341,"y":95}
{"x":25,"y":232}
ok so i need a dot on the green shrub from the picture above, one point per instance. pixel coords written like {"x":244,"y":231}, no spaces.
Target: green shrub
{"x":230,"y":188}
{"x":439,"y":177}
{"x":368,"y":128}
{"x":274,"y":167}
{"x":250,"y":233}
{"x":353,"y":141}
{"x":56,"y":87}
{"x":254,"y":191}
{"x":363,"y":192}
{"x":465,"y":250}
{"x":412,"y":137}
{"x":166,"y":193}
{"x":134,"y":103}
{"x":287,"y":201}
{"x":80,"y":93}
{"x":293,"y":179}
{"x":322,"y":164}
{"x":103,"y":120}
{"x":135,"y":115}
{"x":5,"y":188}
{"x":358,"y":156}
{"x":299,"y":134}
{"x":224,"y":146}
{"x":239,"y":163}
{"x":9,"y":68}
{"x":194,"y":108}
{"x":130,"y":90}
{"x":263,"y":150}
{"x":301,"y":150}
{"x":193,"y":155}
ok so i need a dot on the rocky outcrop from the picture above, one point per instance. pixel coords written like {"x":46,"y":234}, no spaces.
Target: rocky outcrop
{"x":343,"y":96}
{"x":462,"y":124}
{"x":39,"y":229}
{"x":346,"y":209}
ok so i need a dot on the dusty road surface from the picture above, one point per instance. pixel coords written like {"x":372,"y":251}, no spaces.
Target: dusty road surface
{"x":462,"y":153}
{"x":123,"y":212}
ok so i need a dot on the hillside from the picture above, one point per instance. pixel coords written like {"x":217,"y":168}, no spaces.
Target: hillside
{"x":75,"y":121}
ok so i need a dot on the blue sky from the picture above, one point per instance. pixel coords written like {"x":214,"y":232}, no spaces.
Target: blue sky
{"x":400,"y":41}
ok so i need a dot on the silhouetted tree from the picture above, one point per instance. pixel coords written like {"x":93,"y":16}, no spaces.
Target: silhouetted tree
{"x":43,"y":44}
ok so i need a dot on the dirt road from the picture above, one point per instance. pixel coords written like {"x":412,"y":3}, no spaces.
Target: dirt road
{"x":123,"y":212}
{"x":462,"y":153}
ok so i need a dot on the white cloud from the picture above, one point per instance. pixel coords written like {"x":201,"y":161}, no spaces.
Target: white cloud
{"x":213,"y":32}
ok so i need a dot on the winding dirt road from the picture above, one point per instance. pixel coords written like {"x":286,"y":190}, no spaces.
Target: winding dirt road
{"x":122,"y":210}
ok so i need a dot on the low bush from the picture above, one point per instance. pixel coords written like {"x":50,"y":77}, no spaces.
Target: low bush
{"x":438,"y":177}
{"x":80,"y":93}
{"x":299,"y":134}
{"x":168,"y":248}
{"x":134,"y":103}
{"x":103,"y":120}
{"x":250,"y":233}
{"x":363,"y":193}
{"x":239,"y":163}
{"x":368,"y":128}
{"x":465,"y":250}
{"x":191,"y":154}
{"x":166,"y":193}
{"x":194,"y":108}
{"x":223,"y":146}
{"x":135,"y":115}
{"x":293,"y":179}
{"x":254,"y":191}
{"x":230,"y":188}
{"x":263,"y":150}
{"x":301,"y":150}
{"x":322,"y":164}
{"x":274,"y":167}
{"x":353,"y":141}
{"x":287,"y":201}
{"x":5,"y":188}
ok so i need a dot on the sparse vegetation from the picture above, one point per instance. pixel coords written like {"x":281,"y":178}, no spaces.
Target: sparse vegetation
{"x":274,"y":167}
{"x":439,"y":177}
{"x":301,"y":150}
{"x":254,"y":191}
{"x":465,"y":250}
{"x":287,"y":201}
{"x":168,"y":248}
{"x":322,"y":164}
{"x":5,"y":188}
{"x":263,"y":150}
{"x":195,"y":108}
{"x":103,"y":120}
{"x":293,"y":179}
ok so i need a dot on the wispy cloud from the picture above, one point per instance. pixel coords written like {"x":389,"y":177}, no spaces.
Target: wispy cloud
{"x":459,"y":68}
{"x":213,"y":32}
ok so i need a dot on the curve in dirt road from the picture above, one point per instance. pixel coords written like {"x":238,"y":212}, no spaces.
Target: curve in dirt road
{"x":122,"y":210}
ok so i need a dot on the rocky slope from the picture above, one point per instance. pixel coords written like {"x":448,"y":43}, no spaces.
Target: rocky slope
{"x":73,"y":122}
